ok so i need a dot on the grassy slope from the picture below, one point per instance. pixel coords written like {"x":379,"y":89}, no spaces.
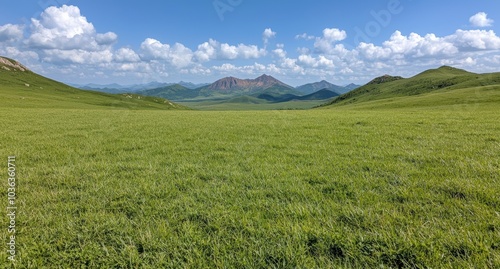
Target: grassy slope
{"x":439,"y":80}
{"x":46,"y":93}
{"x":173,"y":92}
{"x":249,"y":103}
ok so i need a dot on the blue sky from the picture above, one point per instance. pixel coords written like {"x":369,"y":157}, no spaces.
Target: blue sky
{"x":129,"y":42}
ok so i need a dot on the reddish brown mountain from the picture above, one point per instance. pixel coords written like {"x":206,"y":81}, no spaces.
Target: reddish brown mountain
{"x":231,"y":84}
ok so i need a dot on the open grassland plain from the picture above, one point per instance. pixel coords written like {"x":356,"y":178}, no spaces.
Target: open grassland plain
{"x":326,"y":188}
{"x":225,"y":106}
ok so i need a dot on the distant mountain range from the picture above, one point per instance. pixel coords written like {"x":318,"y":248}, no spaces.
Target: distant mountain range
{"x":314,"y":87}
{"x":228,"y":88}
{"x":318,"y":95}
{"x":117,"y":88}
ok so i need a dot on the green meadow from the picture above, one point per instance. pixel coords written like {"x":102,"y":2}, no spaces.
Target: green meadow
{"x":125,"y":181}
{"x":338,"y":188}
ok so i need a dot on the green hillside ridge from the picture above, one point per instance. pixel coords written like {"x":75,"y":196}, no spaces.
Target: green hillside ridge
{"x":441,"y":79}
{"x":173,"y":92}
{"x":276,"y":91}
{"x":314,"y":87}
{"x":20,"y":87}
{"x":384,"y":79}
{"x":245,"y":100}
{"x":323,"y":94}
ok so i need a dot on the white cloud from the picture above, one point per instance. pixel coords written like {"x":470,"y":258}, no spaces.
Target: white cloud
{"x":20,"y":55}
{"x":126,"y":55}
{"x":106,"y":39}
{"x":268,"y":34}
{"x":334,"y":34}
{"x":305,"y":36}
{"x":346,"y":70}
{"x":181,"y":56}
{"x":325,"y":44}
{"x":372,"y":52}
{"x":127,"y":67}
{"x":400,"y":44}
{"x":65,"y":28}
{"x":207,"y":51}
{"x":198,"y":70}
{"x":481,"y":20}
{"x":415,"y":45}
{"x":225,"y":68}
{"x":430,"y":45}
{"x":242,"y":51}
{"x":306,"y":60}
{"x":154,"y":49}
{"x":320,"y":62}
{"x":279,"y":51}
{"x":228,"y":52}
{"x":77,"y":56}
{"x":11,"y":32}
{"x":213,"y":50}
{"x":248,"y":70}
{"x":325,"y":62}
{"x":475,"y":40}
{"x":177,"y":55}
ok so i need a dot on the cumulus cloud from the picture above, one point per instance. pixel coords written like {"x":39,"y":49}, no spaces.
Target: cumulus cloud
{"x":207,"y":51}
{"x":326,"y":43}
{"x":214,"y":50}
{"x":177,"y":55}
{"x":372,"y":52}
{"x":76,"y":56}
{"x":481,"y":20}
{"x":334,"y":34}
{"x":307,"y":60}
{"x":65,"y":28}
{"x":280,"y":51}
{"x":319,"y":62}
{"x":106,"y":39}
{"x":126,"y":55}
{"x":11,"y":32}
{"x":415,"y":45}
{"x":267,"y":35}
{"x":247,"y":70}
{"x":225,"y":67}
{"x":474,"y":40}
{"x":241,"y":51}
{"x":400,"y":46}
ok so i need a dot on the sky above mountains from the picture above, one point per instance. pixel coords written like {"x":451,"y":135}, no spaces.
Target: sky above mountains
{"x":133,"y":42}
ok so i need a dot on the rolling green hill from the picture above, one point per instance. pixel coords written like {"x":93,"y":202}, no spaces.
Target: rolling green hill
{"x":435,"y":86}
{"x":20,"y":87}
{"x":323,"y":94}
{"x":277,"y":91}
{"x":172,"y":92}
{"x":314,"y":87}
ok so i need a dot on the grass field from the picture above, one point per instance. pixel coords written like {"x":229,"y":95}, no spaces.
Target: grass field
{"x":242,"y":106}
{"x":328,"y":188}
